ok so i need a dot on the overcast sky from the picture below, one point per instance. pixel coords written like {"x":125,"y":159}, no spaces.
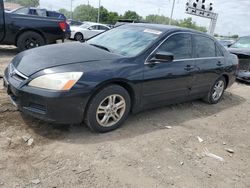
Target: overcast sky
{"x":234,"y":15}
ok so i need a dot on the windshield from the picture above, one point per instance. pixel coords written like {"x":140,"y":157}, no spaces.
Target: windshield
{"x":243,"y":42}
{"x":126,"y":40}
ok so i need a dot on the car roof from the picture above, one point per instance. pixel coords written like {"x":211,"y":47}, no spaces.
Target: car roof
{"x":165,"y":28}
{"x":94,"y":23}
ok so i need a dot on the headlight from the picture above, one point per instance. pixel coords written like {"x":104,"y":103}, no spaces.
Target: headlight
{"x":58,"y":81}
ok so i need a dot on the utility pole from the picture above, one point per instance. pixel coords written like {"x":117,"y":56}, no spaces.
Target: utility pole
{"x":98,"y":17}
{"x":71,"y":9}
{"x":172,"y":11}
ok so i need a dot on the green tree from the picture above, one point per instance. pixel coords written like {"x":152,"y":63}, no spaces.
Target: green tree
{"x":26,"y":3}
{"x":235,"y":36}
{"x":30,"y":3}
{"x":112,"y":18}
{"x":188,"y":23}
{"x":131,"y":15}
{"x":65,"y":12}
{"x":104,"y":13}
{"x":85,"y":13}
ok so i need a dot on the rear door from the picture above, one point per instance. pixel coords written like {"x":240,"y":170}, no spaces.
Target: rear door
{"x":2,"y":25}
{"x":209,"y":61}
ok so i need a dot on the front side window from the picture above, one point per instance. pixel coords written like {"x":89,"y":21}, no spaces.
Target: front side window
{"x":94,"y":27}
{"x":204,"y":47}
{"x":218,"y":51}
{"x":103,"y":28}
{"x":180,"y":45}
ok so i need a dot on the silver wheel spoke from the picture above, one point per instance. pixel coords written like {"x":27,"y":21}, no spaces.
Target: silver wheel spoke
{"x":120,"y":105}
{"x":101,"y":110}
{"x":218,"y":90}
{"x":110,"y":110}
{"x":105,"y":119}
{"x":115,"y":116}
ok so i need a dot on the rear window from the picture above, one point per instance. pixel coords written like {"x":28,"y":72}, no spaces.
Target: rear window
{"x":204,"y":47}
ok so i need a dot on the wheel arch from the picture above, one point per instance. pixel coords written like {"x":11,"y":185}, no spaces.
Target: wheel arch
{"x":121,"y":82}
{"x":79,"y":33}
{"x":226,"y":78}
{"x":27,"y":30}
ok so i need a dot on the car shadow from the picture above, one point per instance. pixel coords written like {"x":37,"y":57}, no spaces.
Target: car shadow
{"x":6,"y":51}
{"x":136,"y":125}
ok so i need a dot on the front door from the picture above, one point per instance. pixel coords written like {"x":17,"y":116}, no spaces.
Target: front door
{"x":2,"y":25}
{"x":169,"y":82}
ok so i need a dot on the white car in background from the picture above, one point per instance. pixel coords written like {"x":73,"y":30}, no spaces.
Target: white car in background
{"x":87,"y":30}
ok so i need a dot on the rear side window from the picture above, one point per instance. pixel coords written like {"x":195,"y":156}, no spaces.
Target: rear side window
{"x":103,"y":28}
{"x":180,"y":45}
{"x":204,"y":47}
{"x":218,"y":51}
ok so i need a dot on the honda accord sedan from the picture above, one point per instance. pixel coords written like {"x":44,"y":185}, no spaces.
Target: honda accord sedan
{"x":125,"y":70}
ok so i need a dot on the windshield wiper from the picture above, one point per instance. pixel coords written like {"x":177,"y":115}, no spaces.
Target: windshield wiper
{"x":102,"y":47}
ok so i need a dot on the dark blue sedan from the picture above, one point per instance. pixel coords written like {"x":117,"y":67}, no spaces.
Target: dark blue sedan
{"x":127,"y":69}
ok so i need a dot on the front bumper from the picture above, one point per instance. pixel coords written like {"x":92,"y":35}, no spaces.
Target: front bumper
{"x":56,"y":107}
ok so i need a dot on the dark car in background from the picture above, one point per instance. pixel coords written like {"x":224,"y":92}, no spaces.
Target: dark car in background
{"x":29,"y":31}
{"x":43,"y":13}
{"x":241,"y":48}
{"x":226,"y":42}
{"x":126,"y":69}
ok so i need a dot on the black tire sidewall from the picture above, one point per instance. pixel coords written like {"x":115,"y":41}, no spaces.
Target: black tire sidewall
{"x":210,"y":96}
{"x":24,"y":36}
{"x":90,"y":119}
{"x":80,"y":35}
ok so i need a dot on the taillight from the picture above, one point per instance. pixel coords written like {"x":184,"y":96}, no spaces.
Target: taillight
{"x":62,"y":26}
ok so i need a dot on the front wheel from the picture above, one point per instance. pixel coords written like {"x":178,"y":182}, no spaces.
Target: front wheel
{"x":216,"y":92}
{"x":108,"y":109}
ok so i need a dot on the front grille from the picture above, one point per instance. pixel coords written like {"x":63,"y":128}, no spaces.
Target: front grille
{"x":13,"y":72}
{"x":244,"y":64}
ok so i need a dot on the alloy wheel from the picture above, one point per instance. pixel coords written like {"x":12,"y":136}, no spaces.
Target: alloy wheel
{"x":218,"y":90}
{"x":110,"y":110}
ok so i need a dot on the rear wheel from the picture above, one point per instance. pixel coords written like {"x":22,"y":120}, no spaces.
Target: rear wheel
{"x":108,"y":109}
{"x":79,"y":37}
{"x":29,"y":40}
{"x":216,"y":92}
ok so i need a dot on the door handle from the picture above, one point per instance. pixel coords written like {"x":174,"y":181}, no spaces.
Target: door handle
{"x":189,"y":67}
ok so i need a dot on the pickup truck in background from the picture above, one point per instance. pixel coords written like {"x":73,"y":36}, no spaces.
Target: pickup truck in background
{"x":29,"y":31}
{"x":43,"y":13}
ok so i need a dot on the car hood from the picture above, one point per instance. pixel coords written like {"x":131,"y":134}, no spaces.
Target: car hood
{"x":32,"y":61}
{"x":239,"y":51}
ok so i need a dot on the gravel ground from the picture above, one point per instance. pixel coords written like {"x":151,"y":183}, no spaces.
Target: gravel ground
{"x":156,"y":148}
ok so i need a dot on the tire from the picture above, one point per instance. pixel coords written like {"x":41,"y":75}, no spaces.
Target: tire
{"x":213,"y":98}
{"x":104,"y":121}
{"x":79,"y":37}
{"x":29,"y":40}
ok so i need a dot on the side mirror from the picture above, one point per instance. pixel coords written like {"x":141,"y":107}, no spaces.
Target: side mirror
{"x":162,"y":57}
